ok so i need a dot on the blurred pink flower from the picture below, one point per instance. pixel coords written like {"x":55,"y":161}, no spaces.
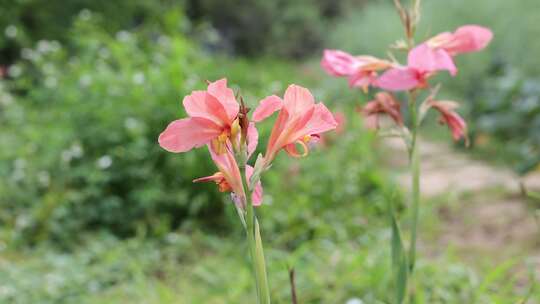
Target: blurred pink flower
{"x":298,"y":121}
{"x":422,"y":63}
{"x":384,"y":103}
{"x":434,"y":55}
{"x":451,"y":118}
{"x":341,"y":121}
{"x":466,"y":39}
{"x":211,"y":117}
{"x":360,"y":70}
{"x":402,"y":79}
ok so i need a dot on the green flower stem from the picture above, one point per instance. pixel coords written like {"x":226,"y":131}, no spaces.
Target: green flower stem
{"x":415,"y":175}
{"x":255,"y":244}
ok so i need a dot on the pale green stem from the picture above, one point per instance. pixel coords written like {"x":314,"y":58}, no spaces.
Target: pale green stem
{"x":415,"y":175}
{"x":255,"y":245}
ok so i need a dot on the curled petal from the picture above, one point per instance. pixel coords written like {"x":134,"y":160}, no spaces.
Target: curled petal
{"x":185,"y":134}
{"x":427,"y":59}
{"x":339,"y":63}
{"x":225,"y":96}
{"x":267,"y":107}
{"x":293,"y":151}
{"x":399,"y":79}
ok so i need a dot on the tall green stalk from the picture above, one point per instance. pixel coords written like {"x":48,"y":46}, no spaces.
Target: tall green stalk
{"x":415,"y":176}
{"x":255,"y":244}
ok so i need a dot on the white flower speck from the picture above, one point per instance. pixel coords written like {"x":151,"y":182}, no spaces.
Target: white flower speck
{"x":85,"y":14}
{"x":44,"y":178}
{"x":11,"y":31}
{"x":131,"y":123}
{"x":44,"y":46}
{"x":51,"y":82}
{"x":138,"y":78}
{"x":85,"y":80}
{"x":14,"y":71}
{"x":104,"y":162}
{"x":354,"y":301}
{"x":123,"y":36}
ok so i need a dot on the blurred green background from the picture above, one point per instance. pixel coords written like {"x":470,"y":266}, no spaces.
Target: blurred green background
{"x":92,"y":210}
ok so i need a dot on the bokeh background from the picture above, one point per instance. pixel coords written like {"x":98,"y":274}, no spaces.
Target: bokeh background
{"x":93,"y":211}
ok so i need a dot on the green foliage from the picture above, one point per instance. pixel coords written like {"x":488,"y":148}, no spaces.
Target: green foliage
{"x":23,"y":22}
{"x":508,"y":110}
{"x":82,"y":134}
{"x":285,"y":28}
{"x":82,"y":119}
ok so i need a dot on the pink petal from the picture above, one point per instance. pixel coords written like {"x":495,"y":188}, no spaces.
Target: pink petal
{"x":322,"y":120}
{"x":362,"y":80}
{"x":398,"y":79}
{"x":252,"y":138}
{"x":256,"y":196}
{"x":451,"y":118}
{"x":212,"y":178}
{"x":297,"y":100}
{"x":427,"y":59}
{"x":201,"y":104}
{"x":225,"y":96}
{"x":339,"y":63}
{"x":455,"y":123}
{"x":469,"y":38}
{"x":185,"y":134}
{"x":274,"y":143}
{"x":341,"y":120}
{"x":267,"y":107}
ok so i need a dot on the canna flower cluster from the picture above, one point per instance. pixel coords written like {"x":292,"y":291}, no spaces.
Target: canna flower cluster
{"x":423,"y":62}
{"x":218,"y":120}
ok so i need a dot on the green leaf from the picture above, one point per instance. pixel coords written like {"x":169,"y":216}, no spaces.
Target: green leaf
{"x":261,"y":266}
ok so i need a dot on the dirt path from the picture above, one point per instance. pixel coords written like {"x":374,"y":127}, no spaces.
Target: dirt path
{"x":482,"y":213}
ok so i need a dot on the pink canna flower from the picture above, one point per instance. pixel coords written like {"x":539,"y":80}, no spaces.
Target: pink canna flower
{"x":451,"y":118}
{"x":384,"y":103}
{"x":299,"y":120}
{"x":212,"y":114}
{"x":360,"y":70}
